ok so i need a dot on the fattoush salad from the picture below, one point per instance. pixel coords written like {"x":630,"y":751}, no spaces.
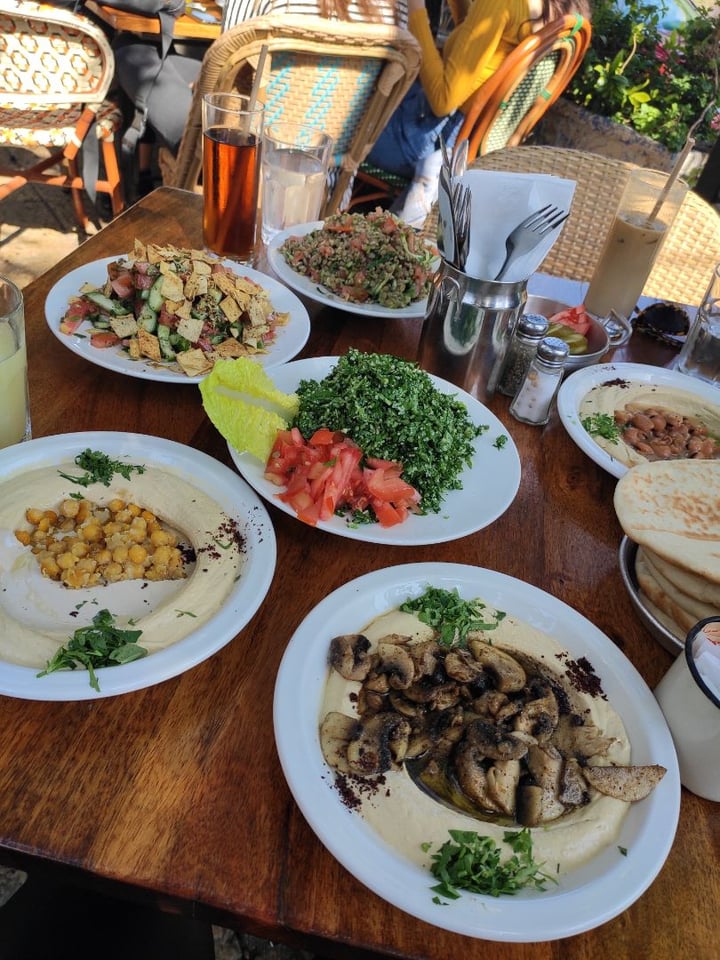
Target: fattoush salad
{"x":173,"y":306}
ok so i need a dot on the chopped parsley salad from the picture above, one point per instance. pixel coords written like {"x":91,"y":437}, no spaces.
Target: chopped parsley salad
{"x":170,"y":305}
{"x":365,"y":258}
{"x":373,"y":441}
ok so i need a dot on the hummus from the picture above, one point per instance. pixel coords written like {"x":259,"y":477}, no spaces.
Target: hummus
{"x":613,"y":395}
{"x":406,"y":817}
{"x":38,"y":615}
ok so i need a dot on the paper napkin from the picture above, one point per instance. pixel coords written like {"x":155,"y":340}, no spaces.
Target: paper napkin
{"x":499,"y":202}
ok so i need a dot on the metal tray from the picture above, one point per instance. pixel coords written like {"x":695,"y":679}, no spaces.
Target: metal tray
{"x":669,"y":637}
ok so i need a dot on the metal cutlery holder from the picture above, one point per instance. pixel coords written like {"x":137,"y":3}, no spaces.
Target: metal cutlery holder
{"x":468,"y":325}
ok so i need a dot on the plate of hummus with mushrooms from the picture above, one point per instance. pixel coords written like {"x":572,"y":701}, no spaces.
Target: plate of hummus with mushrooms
{"x":434,"y":715}
{"x":124,"y":560}
{"x":623,"y":414}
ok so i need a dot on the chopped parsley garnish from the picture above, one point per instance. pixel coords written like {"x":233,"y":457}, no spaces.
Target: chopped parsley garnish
{"x":451,"y":616}
{"x":601,"y":425}
{"x":392,"y":410}
{"x":100,"y":468}
{"x":500,"y":441}
{"x":101,"y":644}
{"x":470,"y":862}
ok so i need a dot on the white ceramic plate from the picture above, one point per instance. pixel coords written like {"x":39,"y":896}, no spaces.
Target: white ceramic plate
{"x":584,"y":898}
{"x":579,"y":384}
{"x":289,"y":342}
{"x":219,"y":482}
{"x":308,"y":288}
{"x":489,"y":486}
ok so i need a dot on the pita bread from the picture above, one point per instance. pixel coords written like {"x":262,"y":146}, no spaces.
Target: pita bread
{"x":662,"y":618}
{"x":689,"y":583}
{"x":673,"y":508}
{"x":681,"y":608}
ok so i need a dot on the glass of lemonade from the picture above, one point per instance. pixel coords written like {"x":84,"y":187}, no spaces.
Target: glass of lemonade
{"x":634,"y":241}
{"x":232,"y":146}
{"x":15,"y":408}
{"x":295,"y":165}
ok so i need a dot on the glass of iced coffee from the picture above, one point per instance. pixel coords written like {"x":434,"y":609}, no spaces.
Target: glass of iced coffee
{"x":232,"y":146}
{"x":645,"y":215}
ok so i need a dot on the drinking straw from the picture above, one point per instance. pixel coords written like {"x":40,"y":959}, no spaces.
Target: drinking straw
{"x":677,"y":166}
{"x":238,"y":184}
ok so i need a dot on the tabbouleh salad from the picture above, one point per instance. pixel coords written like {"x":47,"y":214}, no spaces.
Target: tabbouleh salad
{"x":365,"y":258}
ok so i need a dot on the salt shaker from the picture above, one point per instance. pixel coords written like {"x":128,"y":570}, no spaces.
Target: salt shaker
{"x":534,"y":398}
{"x":530,"y":329}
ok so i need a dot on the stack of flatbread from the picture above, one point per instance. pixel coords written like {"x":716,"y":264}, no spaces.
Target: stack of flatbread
{"x":671,"y":510}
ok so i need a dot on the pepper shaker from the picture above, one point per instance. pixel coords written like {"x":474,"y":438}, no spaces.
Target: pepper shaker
{"x":534,"y":398}
{"x":531,"y":328}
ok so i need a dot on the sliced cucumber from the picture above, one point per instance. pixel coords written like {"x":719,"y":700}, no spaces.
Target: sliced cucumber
{"x":163,"y":335}
{"x":116,"y":308}
{"x":148,"y":318}
{"x":155,"y":297}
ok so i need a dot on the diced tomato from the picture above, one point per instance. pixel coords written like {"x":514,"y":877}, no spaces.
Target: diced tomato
{"x":70,"y":325}
{"x":575,"y":317}
{"x":323,"y":475}
{"x":123,"y":284}
{"x":103,"y":339}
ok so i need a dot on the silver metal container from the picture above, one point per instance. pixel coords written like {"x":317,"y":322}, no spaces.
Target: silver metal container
{"x":467,"y":328}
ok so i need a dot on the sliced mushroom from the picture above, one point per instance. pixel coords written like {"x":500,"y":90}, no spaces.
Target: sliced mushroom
{"x":395,"y":661}
{"x":495,"y":742}
{"x":575,"y":738}
{"x":539,"y":716}
{"x":350,"y":656}
{"x":424,"y":656}
{"x":573,"y":788}
{"x":502,"y":783}
{"x":545,"y":765}
{"x":471,"y":776}
{"x":378,"y":743}
{"x":625,"y":783}
{"x":509,"y":674}
{"x":462,"y":666}
{"x":529,"y":809}
{"x":336,"y":732}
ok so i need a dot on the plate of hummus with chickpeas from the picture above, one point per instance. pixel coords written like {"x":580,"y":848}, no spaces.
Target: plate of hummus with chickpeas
{"x":624,"y":414}
{"x":476,"y":752}
{"x":125,"y":560}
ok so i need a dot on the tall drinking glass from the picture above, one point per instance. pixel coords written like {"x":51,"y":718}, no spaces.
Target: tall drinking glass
{"x":633,"y":243}
{"x":700,"y":354}
{"x":295,"y":164}
{"x":232,"y":147}
{"x":15,"y":407}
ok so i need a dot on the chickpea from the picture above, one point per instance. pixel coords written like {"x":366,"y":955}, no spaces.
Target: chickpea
{"x":161,"y":556}
{"x":91,"y":532}
{"x":49,"y":567}
{"x":160,"y":538}
{"x":116,"y":505}
{"x":23,"y":536}
{"x":66,"y":561}
{"x":120,"y":554}
{"x":137,"y":554}
{"x":79,"y":549}
{"x":133,"y":571}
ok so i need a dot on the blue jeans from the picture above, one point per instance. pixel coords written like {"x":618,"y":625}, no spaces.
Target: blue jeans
{"x":412,"y":133}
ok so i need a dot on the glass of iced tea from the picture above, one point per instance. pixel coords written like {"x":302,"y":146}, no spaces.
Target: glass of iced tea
{"x":294,"y":175}
{"x":636,"y":235}
{"x":232,"y":147}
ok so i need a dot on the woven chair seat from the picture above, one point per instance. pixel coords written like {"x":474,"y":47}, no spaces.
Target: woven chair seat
{"x":342,"y":78}
{"x":56,"y":67}
{"x":56,"y":127}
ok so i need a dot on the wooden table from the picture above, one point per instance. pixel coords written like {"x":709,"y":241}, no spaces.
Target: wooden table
{"x":186,"y":27}
{"x":175,"y":795}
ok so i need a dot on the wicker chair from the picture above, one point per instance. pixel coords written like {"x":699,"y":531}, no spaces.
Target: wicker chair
{"x":691,"y":249}
{"x":56,"y":69}
{"x":343,"y":78}
{"x":506,"y":108}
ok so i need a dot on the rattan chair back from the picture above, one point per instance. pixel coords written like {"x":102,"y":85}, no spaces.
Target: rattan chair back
{"x":343,"y":78}
{"x":506,"y":108}
{"x":691,"y":249}
{"x":56,"y":68}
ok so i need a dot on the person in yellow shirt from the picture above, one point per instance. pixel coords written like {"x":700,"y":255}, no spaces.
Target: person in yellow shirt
{"x":485,"y":33}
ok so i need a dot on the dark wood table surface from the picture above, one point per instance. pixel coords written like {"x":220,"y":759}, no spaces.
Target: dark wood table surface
{"x":186,"y":27}
{"x":174,"y":794}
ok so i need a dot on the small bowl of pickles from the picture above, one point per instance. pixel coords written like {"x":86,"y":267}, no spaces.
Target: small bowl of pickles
{"x":585,"y":349}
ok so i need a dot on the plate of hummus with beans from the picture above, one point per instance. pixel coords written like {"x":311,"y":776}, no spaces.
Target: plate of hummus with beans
{"x":476,"y":752}
{"x":623,"y":414}
{"x":124,"y":560}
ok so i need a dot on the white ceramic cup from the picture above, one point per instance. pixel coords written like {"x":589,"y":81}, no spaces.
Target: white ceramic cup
{"x":692,"y":712}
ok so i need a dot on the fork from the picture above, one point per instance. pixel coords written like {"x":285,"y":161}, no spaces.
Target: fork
{"x":526,"y":235}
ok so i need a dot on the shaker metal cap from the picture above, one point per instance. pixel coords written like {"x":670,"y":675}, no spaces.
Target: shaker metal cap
{"x":553,"y":350}
{"x":533,"y":326}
